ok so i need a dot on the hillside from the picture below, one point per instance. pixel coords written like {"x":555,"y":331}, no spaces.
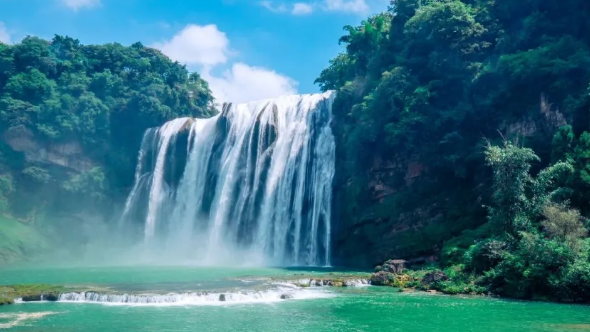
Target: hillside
{"x":71,"y":121}
{"x":427,"y":93}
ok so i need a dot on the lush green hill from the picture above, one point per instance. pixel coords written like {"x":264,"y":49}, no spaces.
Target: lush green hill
{"x":71,"y":121}
{"x":425,"y":89}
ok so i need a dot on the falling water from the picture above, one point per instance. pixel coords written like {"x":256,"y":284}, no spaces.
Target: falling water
{"x":253,"y":183}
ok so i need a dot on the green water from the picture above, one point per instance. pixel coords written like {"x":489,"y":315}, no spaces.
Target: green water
{"x":338,"y":309}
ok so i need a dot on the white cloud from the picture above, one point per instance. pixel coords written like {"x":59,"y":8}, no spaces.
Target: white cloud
{"x":275,"y":9}
{"x":350,"y":6}
{"x":243,"y":83}
{"x":203,"y":48}
{"x":197,"y":45}
{"x":4,"y":34}
{"x":301,"y":8}
{"x":77,"y":4}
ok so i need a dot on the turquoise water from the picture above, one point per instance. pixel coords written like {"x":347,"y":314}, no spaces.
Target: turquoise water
{"x":324,"y":309}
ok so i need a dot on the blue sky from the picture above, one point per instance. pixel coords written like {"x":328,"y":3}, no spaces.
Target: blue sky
{"x":246,"y":49}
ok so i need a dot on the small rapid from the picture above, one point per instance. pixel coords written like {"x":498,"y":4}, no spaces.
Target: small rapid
{"x":196,"y":298}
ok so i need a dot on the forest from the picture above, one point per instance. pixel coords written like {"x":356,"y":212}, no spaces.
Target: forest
{"x":72,"y":117}
{"x":463,"y":128}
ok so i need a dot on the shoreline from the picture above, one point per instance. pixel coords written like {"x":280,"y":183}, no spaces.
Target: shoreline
{"x":411,"y":281}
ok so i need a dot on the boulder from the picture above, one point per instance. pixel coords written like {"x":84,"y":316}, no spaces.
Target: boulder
{"x":222,"y":297}
{"x":382,"y":278}
{"x":286,"y":296}
{"x":394,"y":266}
{"x":433,"y":277}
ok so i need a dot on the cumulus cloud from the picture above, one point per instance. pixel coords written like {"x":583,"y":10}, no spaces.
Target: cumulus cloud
{"x":78,"y":4}
{"x":243,"y":83}
{"x":197,"y":45}
{"x":4,"y":34}
{"x":350,"y":6}
{"x":301,"y":8}
{"x":204,"y":48}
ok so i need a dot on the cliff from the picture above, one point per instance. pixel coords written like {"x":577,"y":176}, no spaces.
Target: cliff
{"x":423,"y":89}
{"x":69,"y":155}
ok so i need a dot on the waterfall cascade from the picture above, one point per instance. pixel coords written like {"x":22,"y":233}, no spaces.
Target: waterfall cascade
{"x":253,"y":183}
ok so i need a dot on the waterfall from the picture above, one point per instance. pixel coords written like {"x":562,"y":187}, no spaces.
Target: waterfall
{"x":253,"y":183}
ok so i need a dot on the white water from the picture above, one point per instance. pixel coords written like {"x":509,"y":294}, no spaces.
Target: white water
{"x":172,"y":299}
{"x":325,"y":282}
{"x":16,"y":319}
{"x":255,"y":186}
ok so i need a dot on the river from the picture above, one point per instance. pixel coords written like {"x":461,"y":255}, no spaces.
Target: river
{"x":187,"y":299}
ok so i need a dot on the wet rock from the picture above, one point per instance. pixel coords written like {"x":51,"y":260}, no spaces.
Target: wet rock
{"x":433,"y":277}
{"x":51,"y":297}
{"x":32,"y":298}
{"x":382,"y":278}
{"x":394,"y":266}
{"x":222,"y":297}
{"x":286,"y":296}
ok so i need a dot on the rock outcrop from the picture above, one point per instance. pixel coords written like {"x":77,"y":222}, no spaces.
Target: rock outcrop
{"x":64,"y":154}
{"x":395,"y":266}
{"x":433,"y":277}
{"x":382,"y":278}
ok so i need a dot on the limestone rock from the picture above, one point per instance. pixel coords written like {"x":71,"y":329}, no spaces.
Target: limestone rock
{"x":433,"y":277}
{"x":382,"y":278}
{"x":32,"y":298}
{"x":65,"y":154}
{"x":394,"y":266}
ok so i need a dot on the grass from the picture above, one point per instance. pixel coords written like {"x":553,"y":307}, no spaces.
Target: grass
{"x":31,"y":292}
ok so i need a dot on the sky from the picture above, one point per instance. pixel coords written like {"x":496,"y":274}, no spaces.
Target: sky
{"x":246,"y":49}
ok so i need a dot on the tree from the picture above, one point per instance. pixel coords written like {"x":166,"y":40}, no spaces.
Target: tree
{"x":101,"y":97}
{"x":563,"y":223}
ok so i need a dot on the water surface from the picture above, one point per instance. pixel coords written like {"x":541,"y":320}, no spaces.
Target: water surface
{"x":327,"y":309}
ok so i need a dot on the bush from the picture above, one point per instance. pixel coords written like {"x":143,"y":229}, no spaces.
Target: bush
{"x":91,"y":183}
{"x":563,"y":223}
{"x":485,"y":255}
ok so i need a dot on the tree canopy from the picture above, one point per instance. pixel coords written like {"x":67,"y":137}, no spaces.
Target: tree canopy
{"x":101,"y":96}
{"x":438,"y":86}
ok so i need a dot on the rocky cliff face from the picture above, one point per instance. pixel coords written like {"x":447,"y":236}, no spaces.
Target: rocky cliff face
{"x":386,"y":206}
{"x":64,"y":154}
{"x":374,"y":219}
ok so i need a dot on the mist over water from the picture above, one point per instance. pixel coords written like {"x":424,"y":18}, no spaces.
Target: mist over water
{"x":250,"y":186}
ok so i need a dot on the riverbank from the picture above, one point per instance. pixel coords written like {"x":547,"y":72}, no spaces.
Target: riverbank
{"x":30,"y":293}
{"x":406,"y":282}
{"x":178,"y":298}
{"x":96,"y":286}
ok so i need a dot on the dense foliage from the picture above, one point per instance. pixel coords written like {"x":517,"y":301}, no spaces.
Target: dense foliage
{"x":422,"y":90}
{"x":93,"y":101}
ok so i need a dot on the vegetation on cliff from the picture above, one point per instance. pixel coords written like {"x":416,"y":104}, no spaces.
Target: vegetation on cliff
{"x":59,"y":98}
{"x":431,"y":93}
